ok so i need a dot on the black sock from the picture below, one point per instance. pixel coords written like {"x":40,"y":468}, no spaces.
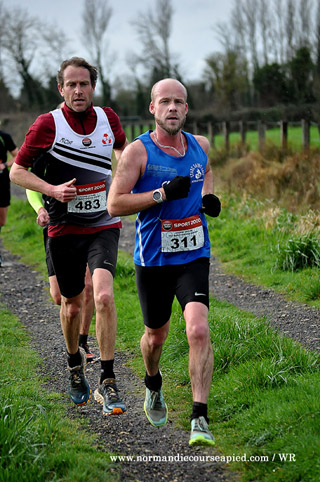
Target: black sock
{"x":199,"y":410}
{"x":107,"y":370}
{"x":74,"y":360}
{"x":83,"y":339}
{"x":154,"y":382}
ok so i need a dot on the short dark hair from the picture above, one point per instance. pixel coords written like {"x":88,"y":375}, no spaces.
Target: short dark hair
{"x":77,"y":62}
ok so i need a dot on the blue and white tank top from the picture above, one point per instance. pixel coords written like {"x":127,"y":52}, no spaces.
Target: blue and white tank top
{"x":173,"y":232}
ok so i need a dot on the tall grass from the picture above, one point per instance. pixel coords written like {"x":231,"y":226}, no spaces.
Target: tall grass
{"x":254,"y":239}
{"x":299,"y":253}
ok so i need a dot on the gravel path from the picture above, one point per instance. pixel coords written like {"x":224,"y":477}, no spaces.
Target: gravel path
{"x":26,"y":294}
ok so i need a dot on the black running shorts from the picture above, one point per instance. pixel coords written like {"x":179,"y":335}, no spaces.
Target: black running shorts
{"x":158,"y":285}
{"x":4,"y":189}
{"x":48,"y":257}
{"x":70,"y":255}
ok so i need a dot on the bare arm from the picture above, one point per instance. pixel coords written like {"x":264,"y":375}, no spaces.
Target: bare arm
{"x":121,"y":201}
{"x":13,"y":156}
{"x":9,"y":163}
{"x":118,"y":152}
{"x":208,"y":175}
{"x":63,"y":192}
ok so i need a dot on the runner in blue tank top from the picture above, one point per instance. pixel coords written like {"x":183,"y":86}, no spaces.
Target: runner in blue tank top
{"x":165,"y":177}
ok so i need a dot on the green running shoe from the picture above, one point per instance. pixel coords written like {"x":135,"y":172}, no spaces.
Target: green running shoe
{"x":79,"y":389}
{"x":155,"y":408}
{"x":108,"y":395}
{"x":200,"y":433}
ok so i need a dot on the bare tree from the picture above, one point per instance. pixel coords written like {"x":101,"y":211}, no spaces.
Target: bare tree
{"x":277,"y":31}
{"x":290,"y":28}
{"x":2,"y":22}
{"x":239,"y":27}
{"x":96,"y":17}
{"x":305,"y":9}
{"x":317,"y":38}
{"x":250,"y":12}
{"x":54,"y":46}
{"x":265,"y":27}
{"x":20,"y":42}
{"x":154,"y":30}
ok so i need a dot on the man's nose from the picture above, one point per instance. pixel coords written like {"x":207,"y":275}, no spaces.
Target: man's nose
{"x":78,"y":88}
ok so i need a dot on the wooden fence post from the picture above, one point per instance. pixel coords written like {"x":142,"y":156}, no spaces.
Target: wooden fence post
{"x":226,"y":133}
{"x":261,"y":134}
{"x":132,"y":130}
{"x":243,"y":132}
{"x":194,"y":128}
{"x":305,"y":125}
{"x":210,"y":134}
{"x":284,"y":134}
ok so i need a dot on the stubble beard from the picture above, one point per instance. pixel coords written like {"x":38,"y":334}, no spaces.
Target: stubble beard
{"x":172,"y":131}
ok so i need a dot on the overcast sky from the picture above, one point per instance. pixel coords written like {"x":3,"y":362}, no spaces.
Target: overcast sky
{"x":193,"y":37}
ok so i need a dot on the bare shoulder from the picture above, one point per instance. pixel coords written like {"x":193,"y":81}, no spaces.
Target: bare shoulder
{"x":135,"y":148}
{"x":204,"y":143}
{"x":133,"y":157}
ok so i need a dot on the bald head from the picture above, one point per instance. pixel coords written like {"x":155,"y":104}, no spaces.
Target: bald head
{"x":165,"y":85}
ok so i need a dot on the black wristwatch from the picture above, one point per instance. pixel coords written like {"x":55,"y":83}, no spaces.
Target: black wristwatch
{"x":157,"y":196}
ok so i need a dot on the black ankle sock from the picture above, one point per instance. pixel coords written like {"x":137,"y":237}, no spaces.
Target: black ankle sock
{"x":107,"y":370}
{"x":83,"y":339}
{"x":154,"y":382}
{"x":199,"y":410}
{"x":74,"y":360}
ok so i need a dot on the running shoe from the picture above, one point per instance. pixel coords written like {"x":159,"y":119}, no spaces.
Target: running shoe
{"x":91,"y":357}
{"x":200,"y":433}
{"x":108,"y":395}
{"x":79,"y":389}
{"x":155,"y":408}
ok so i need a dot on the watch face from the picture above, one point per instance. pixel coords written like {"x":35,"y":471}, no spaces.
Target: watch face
{"x":157,"y":196}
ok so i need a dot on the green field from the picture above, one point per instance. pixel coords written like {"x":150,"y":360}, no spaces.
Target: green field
{"x":273,"y":136}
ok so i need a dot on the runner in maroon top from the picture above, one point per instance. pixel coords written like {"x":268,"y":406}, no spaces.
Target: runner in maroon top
{"x":77,"y":142}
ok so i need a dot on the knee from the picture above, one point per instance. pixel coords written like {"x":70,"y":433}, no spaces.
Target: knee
{"x":198,"y":333}
{"x":71,"y":310}
{"x":103,"y":300}
{"x":156,"y":338}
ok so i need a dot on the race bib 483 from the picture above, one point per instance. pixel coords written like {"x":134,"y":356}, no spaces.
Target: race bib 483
{"x":90,"y":198}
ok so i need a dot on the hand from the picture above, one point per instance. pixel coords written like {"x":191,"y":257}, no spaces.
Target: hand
{"x":43,"y":217}
{"x":177,"y":188}
{"x":211,"y":205}
{"x":64,"y":192}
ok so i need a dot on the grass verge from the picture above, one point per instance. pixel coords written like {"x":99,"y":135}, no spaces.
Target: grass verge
{"x":264,"y":402}
{"x":38,"y":442}
{"x":250,"y":237}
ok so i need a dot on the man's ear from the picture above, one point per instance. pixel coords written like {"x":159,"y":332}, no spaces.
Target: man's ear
{"x":60,"y":88}
{"x":151,"y":108}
